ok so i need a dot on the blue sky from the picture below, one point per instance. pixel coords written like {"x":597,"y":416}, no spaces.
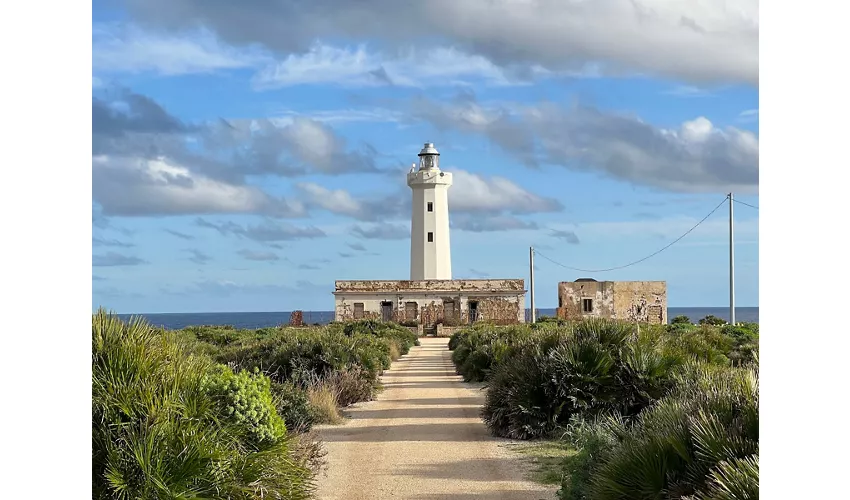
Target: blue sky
{"x":246,"y":157}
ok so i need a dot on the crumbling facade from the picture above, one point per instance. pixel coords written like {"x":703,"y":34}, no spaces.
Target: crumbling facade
{"x":640,"y":301}
{"x":429,"y":302}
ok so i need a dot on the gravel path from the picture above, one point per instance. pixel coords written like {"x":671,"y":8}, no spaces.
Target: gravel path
{"x":422,"y":438}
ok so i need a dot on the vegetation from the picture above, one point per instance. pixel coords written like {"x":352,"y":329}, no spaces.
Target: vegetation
{"x":659,"y":411}
{"x":218,"y":412}
{"x":162,"y":425}
{"x":681,"y":319}
{"x":712,"y":320}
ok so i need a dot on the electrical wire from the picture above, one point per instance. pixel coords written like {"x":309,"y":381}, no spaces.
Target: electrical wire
{"x":747,"y":204}
{"x":640,"y":260}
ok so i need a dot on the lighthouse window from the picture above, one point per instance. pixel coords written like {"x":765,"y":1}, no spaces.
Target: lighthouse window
{"x":430,"y":237}
{"x":430,"y":206}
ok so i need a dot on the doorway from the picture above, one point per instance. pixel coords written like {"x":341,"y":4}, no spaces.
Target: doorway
{"x":473,"y":311}
{"x":386,"y":311}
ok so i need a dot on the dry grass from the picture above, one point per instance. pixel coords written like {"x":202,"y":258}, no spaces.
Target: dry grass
{"x":323,"y":401}
{"x":394,"y":352}
{"x":308,"y":450}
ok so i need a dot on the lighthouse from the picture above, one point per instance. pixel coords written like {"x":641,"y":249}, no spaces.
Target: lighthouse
{"x":430,"y":249}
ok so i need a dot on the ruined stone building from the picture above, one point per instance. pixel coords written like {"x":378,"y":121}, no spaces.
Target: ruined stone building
{"x":431,"y":296}
{"x":643,"y":301}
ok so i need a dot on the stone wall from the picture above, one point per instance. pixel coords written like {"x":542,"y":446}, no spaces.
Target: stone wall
{"x":501,"y":306}
{"x":643,"y":301}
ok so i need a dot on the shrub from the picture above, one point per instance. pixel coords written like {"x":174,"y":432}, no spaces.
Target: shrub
{"x":540,"y":383}
{"x":293,"y":406}
{"x":156,"y":433}
{"x":594,"y":440}
{"x":712,"y":320}
{"x":691,"y":441}
{"x":323,"y":404}
{"x":351,"y":385}
{"x":246,"y":401}
{"x":519,"y":401}
{"x":681,"y":319}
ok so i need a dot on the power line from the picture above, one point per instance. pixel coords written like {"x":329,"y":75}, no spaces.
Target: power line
{"x":745,"y":203}
{"x":640,"y":260}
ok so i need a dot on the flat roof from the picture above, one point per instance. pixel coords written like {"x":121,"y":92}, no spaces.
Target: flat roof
{"x":501,"y":286}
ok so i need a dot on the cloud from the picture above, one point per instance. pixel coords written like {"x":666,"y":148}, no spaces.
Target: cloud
{"x":133,"y":186}
{"x":128,"y":112}
{"x":266,"y":232}
{"x":475,"y":193}
{"x":486,"y":223}
{"x":359,"y":67}
{"x":147,"y":162}
{"x":308,"y":267}
{"x":97,"y":278}
{"x":178,"y":234}
{"x":382,"y":232}
{"x":225,"y":288}
{"x":258,"y":256}
{"x":366,"y":208}
{"x":568,"y":236}
{"x":688,"y":91}
{"x":701,"y":42}
{"x":357,"y":246}
{"x":115,"y":259}
{"x":749,"y":115}
{"x":198,"y":257}
{"x":342,"y":116}
{"x":695,"y":157}
{"x":478,"y":274}
{"x":131,"y":49}
{"x":101,"y":242}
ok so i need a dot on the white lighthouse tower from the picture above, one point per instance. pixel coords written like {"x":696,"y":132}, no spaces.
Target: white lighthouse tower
{"x":430,"y":251}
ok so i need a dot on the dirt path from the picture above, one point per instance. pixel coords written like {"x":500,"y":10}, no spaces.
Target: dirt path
{"x":422,"y":438}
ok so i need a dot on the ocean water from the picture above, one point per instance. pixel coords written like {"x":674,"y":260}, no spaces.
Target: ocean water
{"x":176,"y":321}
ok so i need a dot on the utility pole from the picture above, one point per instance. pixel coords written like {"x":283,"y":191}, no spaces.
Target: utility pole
{"x":531,"y":282}
{"x":731,"y":261}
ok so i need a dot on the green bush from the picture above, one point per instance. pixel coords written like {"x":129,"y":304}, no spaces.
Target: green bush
{"x":681,"y":319}
{"x":246,"y":400}
{"x":712,"y":320}
{"x":540,"y":381}
{"x":698,"y":440}
{"x":156,"y":433}
{"x":293,"y":406}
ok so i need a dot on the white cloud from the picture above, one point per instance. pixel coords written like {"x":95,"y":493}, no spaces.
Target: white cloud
{"x":137,"y":186}
{"x":127,"y":48}
{"x":698,"y":41}
{"x":696,"y":156}
{"x":358,"y":67}
{"x":475,"y":193}
{"x":340,"y":116}
{"x":336,"y":201}
{"x":749,"y":115}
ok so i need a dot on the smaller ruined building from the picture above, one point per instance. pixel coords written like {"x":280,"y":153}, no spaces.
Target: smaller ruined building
{"x":642,"y":301}
{"x":451,"y":302}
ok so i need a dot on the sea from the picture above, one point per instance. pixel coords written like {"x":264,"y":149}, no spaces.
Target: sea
{"x":176,"y":321}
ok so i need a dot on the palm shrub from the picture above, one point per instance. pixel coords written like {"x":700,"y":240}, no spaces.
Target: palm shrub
{"x":699,"y":441}
{"x":598,"y":366}
{"x":157,"y":433}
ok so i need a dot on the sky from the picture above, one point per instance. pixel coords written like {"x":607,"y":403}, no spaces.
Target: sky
{"x":245,"y":155}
